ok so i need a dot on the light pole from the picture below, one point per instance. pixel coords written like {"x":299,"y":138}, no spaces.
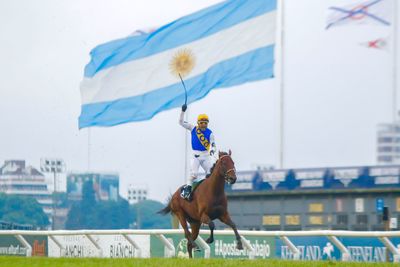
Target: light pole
{"x":52,"y":165}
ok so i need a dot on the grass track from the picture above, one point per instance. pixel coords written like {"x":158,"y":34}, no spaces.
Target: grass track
{"x":64,"y":262}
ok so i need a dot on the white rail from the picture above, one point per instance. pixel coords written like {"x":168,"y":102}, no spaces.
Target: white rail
{"x":160,"y":233}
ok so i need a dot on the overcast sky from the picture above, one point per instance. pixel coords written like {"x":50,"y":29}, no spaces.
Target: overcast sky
{"x":336,"y":93}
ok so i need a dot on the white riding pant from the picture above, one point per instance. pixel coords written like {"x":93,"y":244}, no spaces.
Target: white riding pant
{"x":199,"y":158}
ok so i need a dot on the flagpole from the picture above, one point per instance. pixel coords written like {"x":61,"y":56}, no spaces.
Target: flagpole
{"x":282,"y":91}
{"x":88,"y":150}
{"x":394,"y":96}
{"x":186,"y":150}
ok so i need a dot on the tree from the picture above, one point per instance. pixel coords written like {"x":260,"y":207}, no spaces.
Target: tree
{"x":146,"y":216}
{"x":22,"y":210}
{"x":89,"y":214}
{"x":88,"y":196}
{"x":112,"y":215}
{"x":74,"y":218}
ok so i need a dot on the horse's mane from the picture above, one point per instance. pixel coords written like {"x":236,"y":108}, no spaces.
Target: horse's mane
{"x":213,"y":167}
{"x":211,"y":170}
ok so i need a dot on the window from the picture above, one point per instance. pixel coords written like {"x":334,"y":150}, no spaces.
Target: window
{"x":385,"y":158}
{"x":292,"y":219}
{"x":316,"y":220}
{"x":379,"y":218}
{"x":271,"y":220}
{"x":362,"y":219}
{"x":342,"y":219}
{"x":384,"y":139}
{"x":385,"y":149}
{"x":315,"y":207}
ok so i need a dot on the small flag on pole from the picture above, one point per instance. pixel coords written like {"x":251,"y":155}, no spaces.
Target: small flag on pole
{"x":378,"y":44}
{"x":377,"y":12}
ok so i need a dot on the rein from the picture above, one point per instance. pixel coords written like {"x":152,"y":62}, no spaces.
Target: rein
{"x":226,"y":176}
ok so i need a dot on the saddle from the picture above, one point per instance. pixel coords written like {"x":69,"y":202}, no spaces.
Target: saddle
{"x":194,"y":186}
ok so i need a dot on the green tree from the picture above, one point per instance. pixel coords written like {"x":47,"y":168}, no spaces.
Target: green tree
{"x":146,"y":216}
{"x":88,"y":196}
{"x":81,"y":213}
{"x":112,"y":215}
{"x":22,"y":210}
{"x":74,"y":218}
{"x":90,"y":214}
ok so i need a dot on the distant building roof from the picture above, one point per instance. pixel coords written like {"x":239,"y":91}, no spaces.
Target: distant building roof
{"x":17,"y":167}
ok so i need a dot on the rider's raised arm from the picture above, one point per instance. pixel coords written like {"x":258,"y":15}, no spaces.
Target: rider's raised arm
{"x":185,"y":124}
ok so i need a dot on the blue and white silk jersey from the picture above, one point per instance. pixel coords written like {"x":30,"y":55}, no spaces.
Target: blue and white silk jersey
{"x":196,"y":144}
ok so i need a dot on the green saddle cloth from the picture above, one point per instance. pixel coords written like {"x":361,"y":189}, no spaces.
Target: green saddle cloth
{"x":196,"y":184}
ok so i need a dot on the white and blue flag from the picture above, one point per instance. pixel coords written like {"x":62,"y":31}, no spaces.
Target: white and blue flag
{"x":134,"y":78}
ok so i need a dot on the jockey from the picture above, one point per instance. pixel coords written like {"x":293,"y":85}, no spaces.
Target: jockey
{"x":203,"y":145}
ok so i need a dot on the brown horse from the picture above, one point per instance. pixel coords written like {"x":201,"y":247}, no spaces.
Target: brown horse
{"x":208,"y":203}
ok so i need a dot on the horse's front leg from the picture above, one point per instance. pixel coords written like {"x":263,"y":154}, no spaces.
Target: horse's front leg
{"x":195,"y":233}
{"x":206,"y":219}
{"x":228,"y":221}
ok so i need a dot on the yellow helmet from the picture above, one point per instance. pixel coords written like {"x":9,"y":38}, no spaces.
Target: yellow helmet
{"x":202,"y":117}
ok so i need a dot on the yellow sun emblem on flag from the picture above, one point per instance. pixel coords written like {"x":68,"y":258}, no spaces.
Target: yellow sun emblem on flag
{"x":182,"y":63}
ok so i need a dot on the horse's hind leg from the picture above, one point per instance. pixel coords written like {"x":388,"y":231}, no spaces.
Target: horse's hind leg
{"x":228,"y":221}
{"x":211,"y":225}
{"x":188,"y":235}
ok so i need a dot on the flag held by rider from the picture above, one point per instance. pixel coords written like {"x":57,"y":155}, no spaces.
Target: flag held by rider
{"x":134,"y":78}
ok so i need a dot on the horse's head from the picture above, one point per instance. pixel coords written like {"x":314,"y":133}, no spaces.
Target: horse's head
{"x":227,"y":167}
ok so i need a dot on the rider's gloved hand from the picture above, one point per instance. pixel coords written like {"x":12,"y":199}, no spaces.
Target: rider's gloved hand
{"x":184,"y":107}
{"x":212,"y":152}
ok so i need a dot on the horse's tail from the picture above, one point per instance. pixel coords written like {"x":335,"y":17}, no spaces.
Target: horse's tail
{"x":167,"y":209}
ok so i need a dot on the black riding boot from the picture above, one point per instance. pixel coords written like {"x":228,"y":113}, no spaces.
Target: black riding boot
{"x":186,"y":192}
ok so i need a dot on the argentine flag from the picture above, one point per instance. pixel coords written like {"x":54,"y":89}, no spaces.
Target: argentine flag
{"x":134,"y":78}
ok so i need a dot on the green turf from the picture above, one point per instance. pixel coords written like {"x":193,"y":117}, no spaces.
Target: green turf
{"x":64,"y":262}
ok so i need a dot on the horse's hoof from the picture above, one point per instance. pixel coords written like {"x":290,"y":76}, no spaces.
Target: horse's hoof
{"x":210,"y":240}
{"x":239,"y":246}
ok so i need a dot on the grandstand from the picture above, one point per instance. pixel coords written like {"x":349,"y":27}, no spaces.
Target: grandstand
{"x":338,"y":198}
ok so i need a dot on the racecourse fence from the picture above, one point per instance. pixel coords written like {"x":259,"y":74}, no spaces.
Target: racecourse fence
{"x":15,"y":226}
{"x":322,"y":244}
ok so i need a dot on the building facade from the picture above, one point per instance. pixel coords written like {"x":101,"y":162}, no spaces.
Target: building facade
{"x":388,"y":143}
{"x":136,"y":194}
{"x":105,"y":185}
{"x":18,"y":179}
{"x":342,"y":198}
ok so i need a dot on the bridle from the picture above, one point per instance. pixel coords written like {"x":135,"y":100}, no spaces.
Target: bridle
{"x":227,"y":177}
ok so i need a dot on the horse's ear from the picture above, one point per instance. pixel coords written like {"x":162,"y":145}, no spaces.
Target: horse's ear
{"x":230,"y":152}
{"x":220,"y":154}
